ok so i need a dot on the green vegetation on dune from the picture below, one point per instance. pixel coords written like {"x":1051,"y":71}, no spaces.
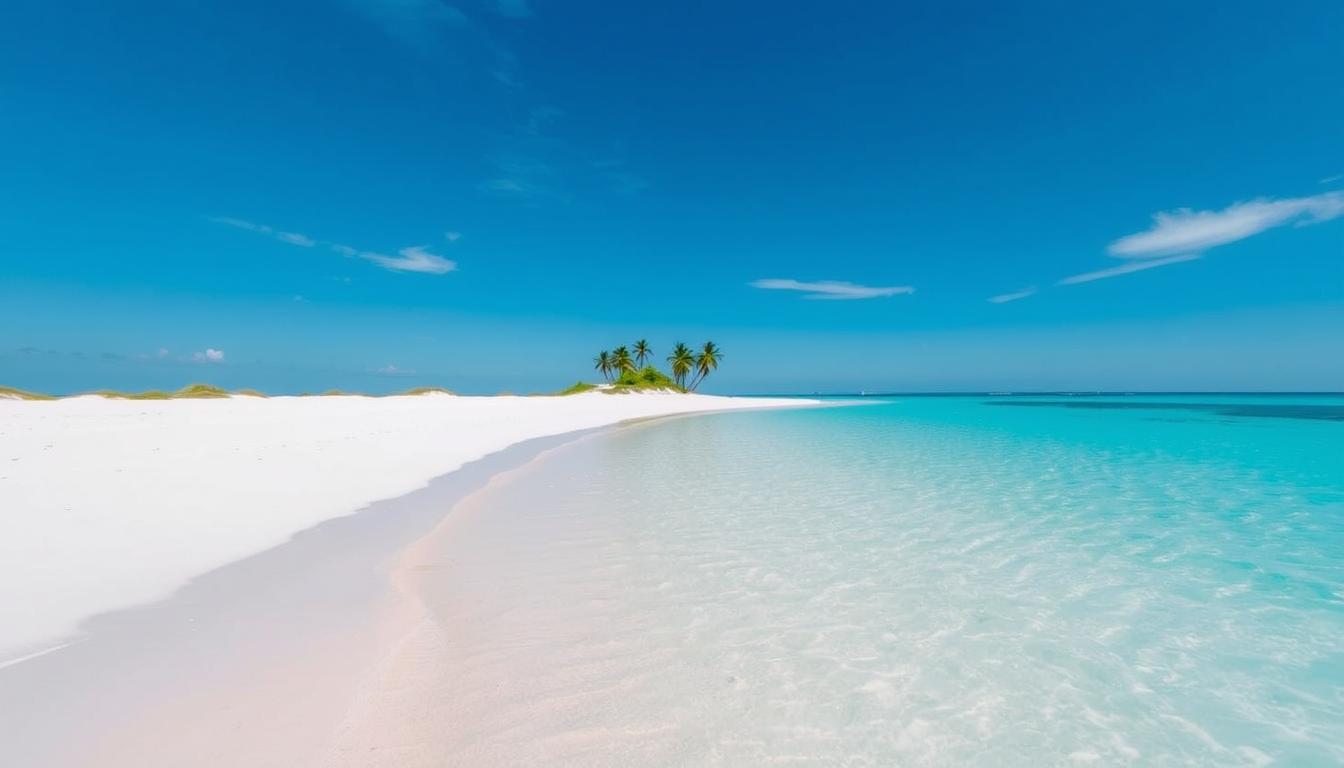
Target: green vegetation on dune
{"x":627,"y":369}
{"x":149,"y":394}
{"x":426,"y":391}
{"x":201,"y":390}
{"x":577,"y":388}
{"x":645,"y":379}
{"x":189,"y":392}
{"x":19,"y":394}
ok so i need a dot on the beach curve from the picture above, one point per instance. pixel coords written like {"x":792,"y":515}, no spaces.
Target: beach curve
{"x":166,"y":490}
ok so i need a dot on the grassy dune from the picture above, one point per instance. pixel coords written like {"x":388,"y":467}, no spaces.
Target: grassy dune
{"x":195,"y":391}
{"x":10,"y":393}
{"x":648,"y":379}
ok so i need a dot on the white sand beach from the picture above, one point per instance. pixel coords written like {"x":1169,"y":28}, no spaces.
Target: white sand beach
{"x":215,"y":582}
{"x":111,"y":503}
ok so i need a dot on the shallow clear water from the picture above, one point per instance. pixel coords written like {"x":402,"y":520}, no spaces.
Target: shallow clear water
{"x":916,"y":581}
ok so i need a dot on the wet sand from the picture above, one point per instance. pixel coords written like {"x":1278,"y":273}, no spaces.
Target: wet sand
{"x":255,"y":663}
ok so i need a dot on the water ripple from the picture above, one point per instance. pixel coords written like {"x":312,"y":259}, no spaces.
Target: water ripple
{"x":887,"y":585}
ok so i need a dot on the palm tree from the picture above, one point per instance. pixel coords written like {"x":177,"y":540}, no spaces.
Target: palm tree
{"x":602,"y":364}
{"x":706,"y":361}
{"x":621,"y":361}
{"x":682,"y":362}
{"x":642,"y":352}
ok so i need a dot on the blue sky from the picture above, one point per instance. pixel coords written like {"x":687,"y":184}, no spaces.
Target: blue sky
{"x":373,"y":194}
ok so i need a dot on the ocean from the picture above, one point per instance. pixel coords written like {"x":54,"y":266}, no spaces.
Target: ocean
{"x":973,"y":580}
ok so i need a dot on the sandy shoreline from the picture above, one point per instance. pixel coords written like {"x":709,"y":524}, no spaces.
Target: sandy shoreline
{"x":394,"y":719}
{"x":250,"y":648}
{"x":113,"y":503}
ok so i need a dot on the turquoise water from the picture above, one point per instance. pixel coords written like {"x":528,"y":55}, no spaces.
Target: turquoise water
{"x":918,"y":581}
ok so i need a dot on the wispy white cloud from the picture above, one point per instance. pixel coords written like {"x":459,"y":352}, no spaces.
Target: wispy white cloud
{"x":1128,"y":267}
{"x":416,"y":258}
{"x":507,"y":187}
{"x":535,"y":165}
{"x":1189,"y":231}
{"x":294,"y":238}
{"x":161,"y":354}
{"x":831,"y":289}
{"x":523,"y":188}
{"x":1004,"y":298}
{"x":522,"y":178}
{"x":436,"y":29}
{"x":1184,"y":234}
{"x":1332,"y":179}
{"x":242,"y":224}
{"x":208,"y":356}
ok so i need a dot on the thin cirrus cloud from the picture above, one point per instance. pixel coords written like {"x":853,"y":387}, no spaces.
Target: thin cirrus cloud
{"x":1004,"y":298}
{"x":412,"y":259}
{"x":293,"y":238}
{"x":415,"y":258}
{"x":435,"y":28}
{"x":831,"y":289}
{"x":1127,"y":268}
{"x":522,"y":177}
{"x":1184,"y":234}
{"x":507,"y":187}
{"x":1187,"y":231}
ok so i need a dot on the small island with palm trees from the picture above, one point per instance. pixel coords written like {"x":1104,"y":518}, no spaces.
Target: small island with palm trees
{"x":628,"y":369}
